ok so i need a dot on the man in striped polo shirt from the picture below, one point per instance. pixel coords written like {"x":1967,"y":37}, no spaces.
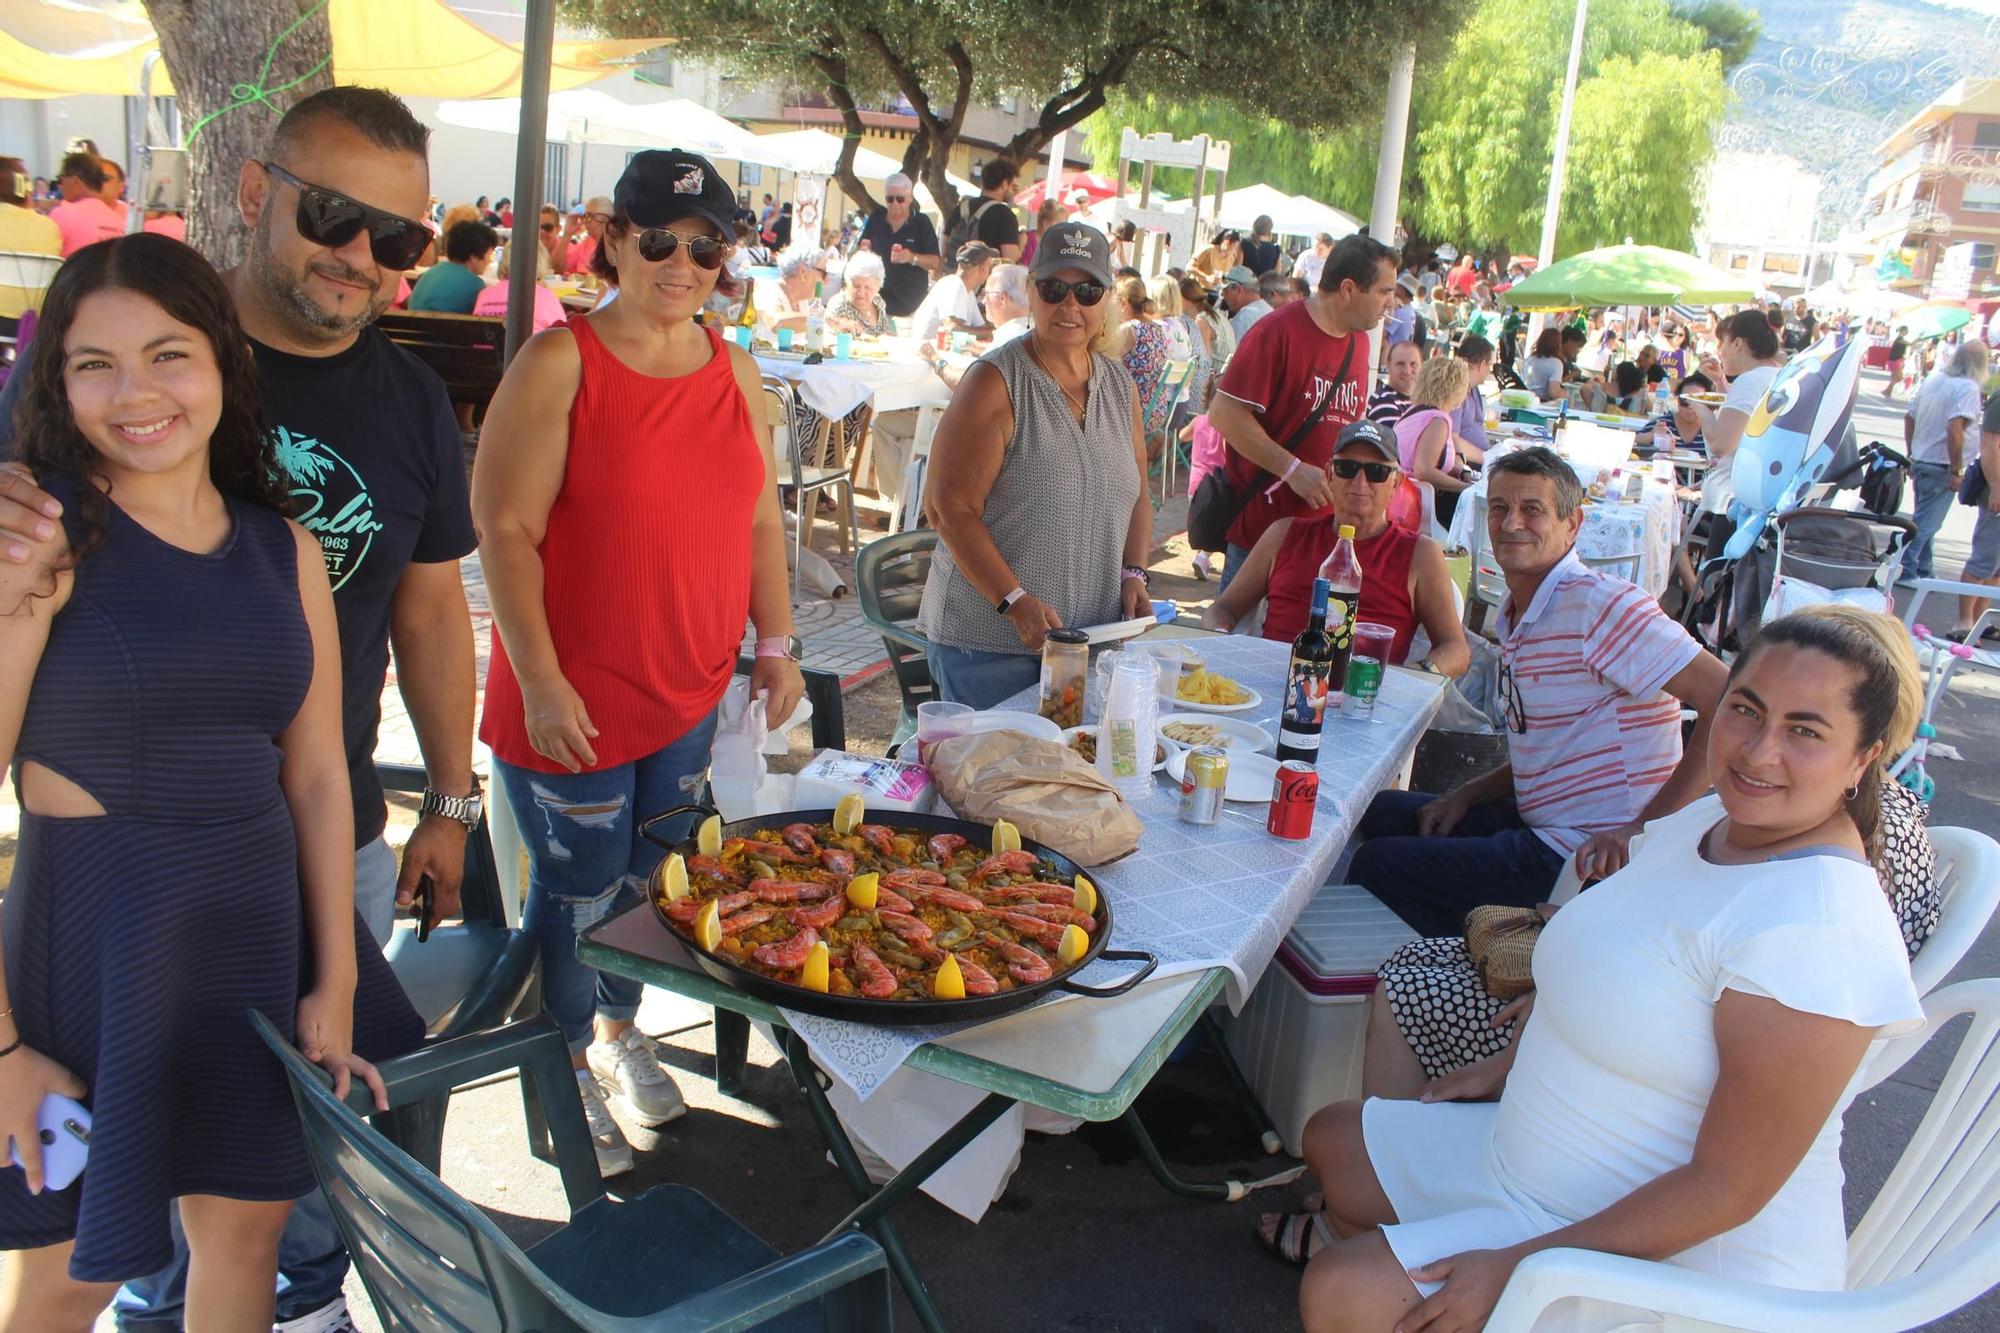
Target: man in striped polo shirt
{"x":1592,"y":678}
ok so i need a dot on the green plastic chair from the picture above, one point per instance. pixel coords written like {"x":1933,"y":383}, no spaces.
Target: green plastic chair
{"x":669,"y":1260}
{"x":889,"y":578}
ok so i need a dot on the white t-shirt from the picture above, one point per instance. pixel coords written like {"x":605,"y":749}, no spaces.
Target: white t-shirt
{"x":1718,"y":488}
{"x":1309,"y":266}
{"x":1545,"y":376}
{"x":1618,"y":1063}
{"x":947,"y":299}
{"x":1943,"y":399}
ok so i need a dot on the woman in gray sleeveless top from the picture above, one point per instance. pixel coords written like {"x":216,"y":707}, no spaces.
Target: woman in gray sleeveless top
{"x":1036,"y":487}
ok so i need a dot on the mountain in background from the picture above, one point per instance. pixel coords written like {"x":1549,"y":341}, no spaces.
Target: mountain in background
{"x":1830,"y":79}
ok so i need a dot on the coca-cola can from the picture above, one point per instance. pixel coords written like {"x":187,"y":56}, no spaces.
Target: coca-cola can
{"x":1292,"y":800}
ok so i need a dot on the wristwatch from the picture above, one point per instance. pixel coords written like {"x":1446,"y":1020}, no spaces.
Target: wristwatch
{"x":465,"y":809}
{"x":782,"y":645}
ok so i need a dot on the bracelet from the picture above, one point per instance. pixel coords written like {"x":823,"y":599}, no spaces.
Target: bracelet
{"x":1134,"y":572}
{"x":1285,"y":476}
{"x":10,"y":1047}
{"x":1006,"y":604}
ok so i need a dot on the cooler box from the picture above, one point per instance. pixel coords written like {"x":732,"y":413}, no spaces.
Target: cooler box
{"x":1298,"y":1039}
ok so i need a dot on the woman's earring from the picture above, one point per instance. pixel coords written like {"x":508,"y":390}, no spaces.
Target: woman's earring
{"x":1854,"y":791}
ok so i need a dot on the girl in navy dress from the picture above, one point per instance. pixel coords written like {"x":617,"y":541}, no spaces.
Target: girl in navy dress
{"x":170,"y":708}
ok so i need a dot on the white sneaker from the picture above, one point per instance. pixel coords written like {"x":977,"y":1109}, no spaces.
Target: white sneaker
{"x":329,"y":1318}
{"x":630,"y":1067}
{"x":614,"y":1154}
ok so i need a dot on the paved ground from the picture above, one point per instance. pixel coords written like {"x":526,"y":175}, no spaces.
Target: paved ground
{"x":1084,"y":1239}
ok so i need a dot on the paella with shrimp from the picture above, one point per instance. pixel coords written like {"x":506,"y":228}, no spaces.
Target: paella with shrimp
{"x":861,"y":909}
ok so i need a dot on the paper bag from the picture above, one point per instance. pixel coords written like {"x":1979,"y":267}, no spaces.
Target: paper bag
{"x":1042,"y":787}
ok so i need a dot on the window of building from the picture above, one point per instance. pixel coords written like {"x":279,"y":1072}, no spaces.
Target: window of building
{"x":1986,"y":134}
{"x":749,"y":173}
{"x":1982,"y":197}
{"x":1783,"y":263}
{"x":555,"y":175}
{"x":1983,"y":256}
{"x":1739,"y":261}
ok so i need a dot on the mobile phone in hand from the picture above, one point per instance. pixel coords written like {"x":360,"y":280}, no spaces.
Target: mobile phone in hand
{"x":421,"y":901}
{"x":64,"y":1128}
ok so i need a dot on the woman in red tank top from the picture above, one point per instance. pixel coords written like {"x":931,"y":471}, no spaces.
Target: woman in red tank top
{"x":1404,"y":582}
{"x":628,"y":516}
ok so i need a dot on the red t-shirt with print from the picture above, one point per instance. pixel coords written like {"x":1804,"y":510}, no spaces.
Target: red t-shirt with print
{"x":1280,"y":370}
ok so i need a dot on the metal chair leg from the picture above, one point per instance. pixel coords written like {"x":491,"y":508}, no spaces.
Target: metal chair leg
{"x":732,"y":1051}
{"x":850,"y":540}
{"x":1218,"y":1041}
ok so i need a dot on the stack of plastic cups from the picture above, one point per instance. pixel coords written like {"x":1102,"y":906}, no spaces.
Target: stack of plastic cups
{"x":1125,"y":735}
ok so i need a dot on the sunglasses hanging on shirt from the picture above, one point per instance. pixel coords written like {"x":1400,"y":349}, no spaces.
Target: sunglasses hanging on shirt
{"x":329,"y":218}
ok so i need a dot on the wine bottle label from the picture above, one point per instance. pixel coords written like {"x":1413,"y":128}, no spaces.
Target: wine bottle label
{"x":1305,"y":698}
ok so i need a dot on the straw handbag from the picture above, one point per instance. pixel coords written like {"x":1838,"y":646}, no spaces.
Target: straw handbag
{"x":1501,"y":941}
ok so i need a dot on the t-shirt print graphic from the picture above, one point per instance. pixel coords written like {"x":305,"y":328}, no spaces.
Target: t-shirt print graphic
{"x":330,"y":499}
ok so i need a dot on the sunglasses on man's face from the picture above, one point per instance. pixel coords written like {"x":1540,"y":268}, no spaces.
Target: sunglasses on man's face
{"x":329,"y":218}
{"x":1087,"y":293}
{"x":658,"y":243}
{"x":899,"y":199}
{"x":548,"y":226}
{"x":1378,"y":474}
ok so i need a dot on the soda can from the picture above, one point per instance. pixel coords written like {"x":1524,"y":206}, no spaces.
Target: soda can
{"x":1364,"y":682}
{"x":1202,"y":781}
{"x":1292,"y":800}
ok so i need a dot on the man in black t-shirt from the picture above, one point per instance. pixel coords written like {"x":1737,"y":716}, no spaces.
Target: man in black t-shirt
{"x":1260,"y":248}
{"x":992,"y":213}
{"x":907,"y":244}
{"x":369,"y":438}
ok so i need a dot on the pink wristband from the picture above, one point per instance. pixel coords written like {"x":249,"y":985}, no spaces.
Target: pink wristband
{"x":776,"y":646}
{"x":1284,"y":477}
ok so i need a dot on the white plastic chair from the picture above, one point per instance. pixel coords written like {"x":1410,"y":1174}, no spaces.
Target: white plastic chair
{"x":1969,"y":868}
{"x":1624,"y":566}
{"x":1488,"y":585}
{"x":805,"y":478}
{"x":1929,"y":1244}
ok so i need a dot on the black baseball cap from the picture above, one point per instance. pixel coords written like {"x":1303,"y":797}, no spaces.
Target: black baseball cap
{"x":1367,"y":432}
{"x":1075,"y":245}
{"x":662,"y":185}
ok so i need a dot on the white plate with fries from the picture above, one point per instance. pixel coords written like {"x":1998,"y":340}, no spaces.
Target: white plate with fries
{"x":1234,"y":734}
{"x":1206,"y":692}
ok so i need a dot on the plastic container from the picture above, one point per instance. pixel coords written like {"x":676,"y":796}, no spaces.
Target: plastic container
{"x":1299,"y":1037}
{"x":1125,"y":733}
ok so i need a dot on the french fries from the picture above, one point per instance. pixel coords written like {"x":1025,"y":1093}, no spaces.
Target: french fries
{"x":1203,"y":686}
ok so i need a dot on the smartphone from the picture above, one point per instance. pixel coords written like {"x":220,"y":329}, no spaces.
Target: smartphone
{"x":426,"y":889}
{"x":65,"y":1133}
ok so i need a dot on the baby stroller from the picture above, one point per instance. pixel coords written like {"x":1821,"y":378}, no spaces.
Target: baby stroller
{"x":1804,"y":557}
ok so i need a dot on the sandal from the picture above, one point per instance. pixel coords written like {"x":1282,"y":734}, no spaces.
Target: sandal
{"x":1292,"y":1241}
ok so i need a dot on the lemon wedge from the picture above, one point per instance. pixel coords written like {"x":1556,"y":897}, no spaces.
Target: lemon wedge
{"x":1086,"y":895}
{"x":862,"y":890}
{"x":708,"y":838}
{"x":949,"y":984}
{"x":674,"y":880}
{"x":1075,"y":944}
{"x":1006,"y":838}
{"x":708,"y":926}
{"x":813,"y":975}
{"x":849,"y":813}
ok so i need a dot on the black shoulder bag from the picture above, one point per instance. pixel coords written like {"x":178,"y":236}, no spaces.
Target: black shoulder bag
{"x":1213,"y":508}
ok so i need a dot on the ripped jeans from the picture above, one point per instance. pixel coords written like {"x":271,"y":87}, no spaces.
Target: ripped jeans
{"x":586,"y":861}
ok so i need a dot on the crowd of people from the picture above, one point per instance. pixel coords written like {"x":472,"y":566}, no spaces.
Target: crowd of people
{"x":197,"y":658}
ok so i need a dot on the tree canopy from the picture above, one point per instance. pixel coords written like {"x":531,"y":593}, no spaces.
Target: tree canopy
{"x":943,"y":56}
{"x":1650,"y":94}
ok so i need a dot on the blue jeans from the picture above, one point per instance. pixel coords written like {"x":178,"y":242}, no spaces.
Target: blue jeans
{"x":1491,"y":857}
{"x":979,"y":678}
{"x":586,"y":861}
{"x":1232,"y":563}
{"x":1934,"y":495}
{"x":312,"y":1260}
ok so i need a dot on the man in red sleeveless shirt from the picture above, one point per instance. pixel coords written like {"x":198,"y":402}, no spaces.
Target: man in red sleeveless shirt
{"x":1404,"y":582}
{"x":1289,"y":361}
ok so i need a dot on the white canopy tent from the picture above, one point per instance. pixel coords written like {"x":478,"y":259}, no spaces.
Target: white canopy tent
{"x":1290,"y":214}
{"x":591,"y":116}
{"x":1865,"y":299}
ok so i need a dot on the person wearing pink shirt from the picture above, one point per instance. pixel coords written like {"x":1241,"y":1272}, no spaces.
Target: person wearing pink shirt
{"x":168,"y":224}
{"x":83,"y":217}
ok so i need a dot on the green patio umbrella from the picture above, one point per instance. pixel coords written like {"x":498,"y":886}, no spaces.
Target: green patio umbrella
{"x":1933,"y":319}
{"x":1628,"y":275}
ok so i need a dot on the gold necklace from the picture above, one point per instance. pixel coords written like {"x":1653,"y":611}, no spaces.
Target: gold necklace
{"x":1075,"y":401}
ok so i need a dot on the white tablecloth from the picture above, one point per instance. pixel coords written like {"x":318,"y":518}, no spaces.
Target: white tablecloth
{"x":1648,"y":527}
{"x":898,"y":382}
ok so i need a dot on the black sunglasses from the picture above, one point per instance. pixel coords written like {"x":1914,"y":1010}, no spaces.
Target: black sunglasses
{"x":329,"y":218}
{"x":1510,"y":701}
{"x":658,"y":243}
{"x":548,"y":226}
{"x":1053,"y":291}
{"x":898,"y":198}
{"x":1378,"y":473}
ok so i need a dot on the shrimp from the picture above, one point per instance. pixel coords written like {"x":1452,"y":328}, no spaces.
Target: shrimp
{"x":1045,"y":933}
{"x":978,"y":981}
{"x":888,"y":900}
{"x":1058,"y":914}
{"x":788,"y":891}
{"x":945,"y":846}
{"x":772,"y":853}
{"x":883,"y":840}
{"x":939,"y":896}
{"x":903,"y":879}
{"x":742,"y":921}
{"x":712,"y":867}
{"x":687,"y":909}
{"x":820,"y":915}
{"x":789,"y":955}
{"x":909,"y":927}
{"x":877,"y":981}
{"x":799,"y":837}
{"x":1023,"y":964}
{"x":836,"y":860}
{"x":1006,"y":863}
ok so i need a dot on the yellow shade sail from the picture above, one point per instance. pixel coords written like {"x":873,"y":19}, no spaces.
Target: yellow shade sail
{"x":416,"y":48}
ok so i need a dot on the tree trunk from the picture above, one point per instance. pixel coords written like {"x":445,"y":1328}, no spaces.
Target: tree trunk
{"x":834,"y":67}
{"x":211,"y":47}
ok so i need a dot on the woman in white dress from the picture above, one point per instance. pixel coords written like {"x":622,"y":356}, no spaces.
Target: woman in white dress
{"x":1702,"y":1015}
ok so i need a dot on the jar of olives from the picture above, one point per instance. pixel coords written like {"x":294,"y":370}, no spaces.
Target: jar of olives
{"x":1065,"y":664}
